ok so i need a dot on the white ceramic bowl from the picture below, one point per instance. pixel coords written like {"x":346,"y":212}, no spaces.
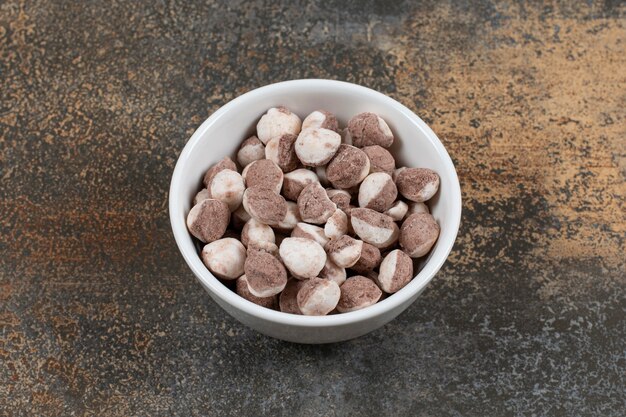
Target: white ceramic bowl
{"x":220,"y":135}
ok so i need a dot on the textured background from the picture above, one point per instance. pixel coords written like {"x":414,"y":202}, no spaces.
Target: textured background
{"x":99,"y":314}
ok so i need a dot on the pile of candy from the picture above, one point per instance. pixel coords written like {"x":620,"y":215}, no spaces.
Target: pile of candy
{"x":294,"y":245}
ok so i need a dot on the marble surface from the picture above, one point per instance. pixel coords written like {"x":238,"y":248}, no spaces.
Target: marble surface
{"x":99,"y":314}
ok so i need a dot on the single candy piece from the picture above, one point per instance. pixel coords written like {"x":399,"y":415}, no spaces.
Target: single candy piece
{"x":227,"y":186}
{"x":288,"y":300}
{"x":415,"y":208}
{"x":263,"y":246}
{"x":396,"y":270}
{"x":397,"y":211}
{"x":341,"y":198}
{"x":242,"y":289}
{"x":367,"y":129}
{"x":224,"y":163}
{"x":291,"y":219}
{"x":418,"y":234}
{"x":281,"y":151}
{"x":240,"y":217}
{"x":304,"y":258}
{"x":370,"y":259}
{"x":373,"y":227}
{"x":263,"y":173}
{"x":318,"y":297}
{"x":336,"y":225}
{"x":381,"y":159}
{"x":333,"y":272}
{"x":356,"y":293}
{"x":208,"y":220}
{"x":348,"y":168}
{"x":254,"y":231}
{"x":417,"y":184}
{"x":314,"y":204}
{"x":377,"y":192}
{"x":295,"y":181}
{"x":344,"y":251}
{"x":321,"y":175}
{"x":225,"y":258}
{"x":276,"y":122}
{"x":316,"y":147}
{"x":309,"y":231}
{"x":266,"y":274}
{"x":321,"y":119}
{"x":203,"y":194}
{"x":251,"y":150}
{"x":265,"y":205}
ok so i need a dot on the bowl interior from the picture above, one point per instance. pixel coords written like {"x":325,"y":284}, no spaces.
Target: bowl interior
{"x":415,"y":146}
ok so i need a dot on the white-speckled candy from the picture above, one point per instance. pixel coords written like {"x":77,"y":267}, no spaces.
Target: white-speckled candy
{"x":251,"y":150}
{"x":344,"y":251}
{"x":228,"y":186}
{"x":318,"y":297}
{"x":304,"y":258}
{"x":316,"y":147}
{"x":309,"y":231}
{"x":336,"y":225}
{"x":373,"y":227}
{"x":255,"y":231}
{"x":225,"y":258}
{"x":276,"y":122}
{"x":377,"y":192}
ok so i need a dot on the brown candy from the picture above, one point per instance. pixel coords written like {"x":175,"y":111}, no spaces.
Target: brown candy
{"x":263,"y":173}
{"x":366,"y":129}
{"x":341,"y":198}
{"x":396,"y":270}
{"x":314,"y":204}
{"x":381,"y":159}
{"x":265,"y":273}
{"x":242,"y":289}
{"x":264,"y":205}
{"x":417,"y":184}
{"x":208,"y":220}
{"x":295,"y":181}
{"x":281,"y":151}
{"x":348,"y":167}
{"x":418,"y":234}
{"x":370,"y":258}
{"x":288,"y":300}
{"x":356,"y":293}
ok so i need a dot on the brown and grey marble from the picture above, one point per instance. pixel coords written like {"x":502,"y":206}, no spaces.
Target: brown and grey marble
{"x":99,"y":314}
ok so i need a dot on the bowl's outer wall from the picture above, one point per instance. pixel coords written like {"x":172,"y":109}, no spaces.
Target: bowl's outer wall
{"x":415,"y":145}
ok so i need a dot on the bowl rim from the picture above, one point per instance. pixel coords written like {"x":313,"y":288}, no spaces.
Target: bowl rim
{"x":217,"y":289}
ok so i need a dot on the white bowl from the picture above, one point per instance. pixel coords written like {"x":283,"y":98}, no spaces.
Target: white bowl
{"x":220,"y":135}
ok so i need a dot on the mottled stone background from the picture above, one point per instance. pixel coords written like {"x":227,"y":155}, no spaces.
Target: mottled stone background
{"x":99,"y":314}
